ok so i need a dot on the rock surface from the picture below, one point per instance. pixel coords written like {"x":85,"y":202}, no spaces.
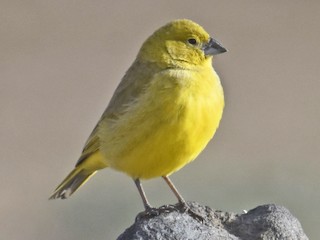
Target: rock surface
{"x":267,"y":222}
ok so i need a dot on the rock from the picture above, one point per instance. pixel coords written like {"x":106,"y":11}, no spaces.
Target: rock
{"x":267,"y":222}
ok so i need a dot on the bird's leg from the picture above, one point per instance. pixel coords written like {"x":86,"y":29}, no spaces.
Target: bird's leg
{"x":146,"y":204}
{"x":185,"y":207}
{"x":175,"y":191}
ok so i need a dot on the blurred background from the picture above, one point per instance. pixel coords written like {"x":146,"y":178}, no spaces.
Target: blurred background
{"x":60,"y":63}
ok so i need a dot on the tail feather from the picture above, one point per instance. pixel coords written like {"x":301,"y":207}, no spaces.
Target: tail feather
{"x":85,"y":168}
{"x":71,"y":183}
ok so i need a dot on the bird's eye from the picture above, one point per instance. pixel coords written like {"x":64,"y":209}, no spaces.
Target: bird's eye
{"x":192,"y":41}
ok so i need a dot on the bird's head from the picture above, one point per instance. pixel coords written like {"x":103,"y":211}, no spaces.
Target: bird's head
{"x":180,"y":43}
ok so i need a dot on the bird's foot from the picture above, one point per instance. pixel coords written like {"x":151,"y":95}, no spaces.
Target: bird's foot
{"x":149,"y":212}
{"x":181,"y":207}
{"x":184,"y":208}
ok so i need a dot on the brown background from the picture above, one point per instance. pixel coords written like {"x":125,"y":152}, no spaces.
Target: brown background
{"x":61,"y":60}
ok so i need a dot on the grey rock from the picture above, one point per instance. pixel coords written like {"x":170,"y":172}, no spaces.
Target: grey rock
{"x":267,"y":222}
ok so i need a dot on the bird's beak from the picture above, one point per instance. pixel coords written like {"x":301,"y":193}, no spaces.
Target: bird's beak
{"x":213,"y":47}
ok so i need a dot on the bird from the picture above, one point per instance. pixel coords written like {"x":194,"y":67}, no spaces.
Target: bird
{"x":163,"y":113}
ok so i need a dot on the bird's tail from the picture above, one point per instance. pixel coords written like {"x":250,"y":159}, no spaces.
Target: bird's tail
{"x":71,"y":183}
{"x":85,"y":169}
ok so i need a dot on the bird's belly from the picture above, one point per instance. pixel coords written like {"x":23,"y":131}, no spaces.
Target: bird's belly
{"x":158,"y":147}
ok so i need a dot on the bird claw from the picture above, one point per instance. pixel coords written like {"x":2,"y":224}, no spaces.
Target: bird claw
{"x":168,"y":208}
{"x":149,"y":212}
{"x":184,"y":208}
{"x":181,"y":207}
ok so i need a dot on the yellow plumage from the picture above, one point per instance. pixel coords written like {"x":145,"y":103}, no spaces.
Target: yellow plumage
{"x":163,"y":113}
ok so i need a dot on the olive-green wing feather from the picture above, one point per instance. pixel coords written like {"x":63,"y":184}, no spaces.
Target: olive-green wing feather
{"x":129,"y":89}
{"x":132,"y":85}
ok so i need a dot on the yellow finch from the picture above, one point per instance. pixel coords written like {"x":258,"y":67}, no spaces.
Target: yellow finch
{"x":165,"y":110}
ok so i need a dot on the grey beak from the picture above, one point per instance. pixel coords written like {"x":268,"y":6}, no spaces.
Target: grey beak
{"x":213,"y":47}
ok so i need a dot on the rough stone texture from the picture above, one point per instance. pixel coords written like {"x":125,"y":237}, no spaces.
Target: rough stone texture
{"x":267,"y":222}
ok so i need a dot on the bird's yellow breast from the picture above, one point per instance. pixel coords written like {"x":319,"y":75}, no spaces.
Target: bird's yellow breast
{"x":167,"y":127}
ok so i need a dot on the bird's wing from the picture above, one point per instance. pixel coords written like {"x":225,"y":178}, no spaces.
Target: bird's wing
{"x":130,"y":88}
{"x":132,"y":85}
